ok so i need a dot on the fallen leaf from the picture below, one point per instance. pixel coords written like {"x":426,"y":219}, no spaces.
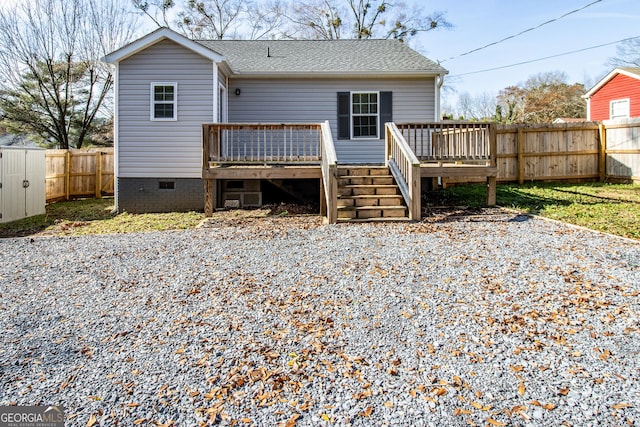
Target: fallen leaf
{"x":290,"y":422}
{"x":521,"y":389}
{"x":495,"y":423}
{"x":92,"y":421}
{"x":621,"y":405}
{"x":367,"y":412}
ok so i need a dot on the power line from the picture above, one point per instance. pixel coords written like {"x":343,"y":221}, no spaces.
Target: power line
{"x":542,"y":59}
{"x":522,"y":32}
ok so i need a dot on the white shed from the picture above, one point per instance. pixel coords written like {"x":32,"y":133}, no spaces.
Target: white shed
{"x":22,"y":183}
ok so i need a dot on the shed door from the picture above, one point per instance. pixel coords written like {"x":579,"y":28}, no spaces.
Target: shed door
{"x":13,"y":194}
{"x":35,"y":193}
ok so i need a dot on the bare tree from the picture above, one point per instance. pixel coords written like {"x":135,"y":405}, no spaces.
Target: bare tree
{"x":361,"y":19}
{"x":218,"y":19}
{"x":155,"y":10}
{"x":478,"y":107}
{"x":316,"y":20}
{"x":628,"y":54}
{"x":53,"y":85}
{"x":265,"y":21}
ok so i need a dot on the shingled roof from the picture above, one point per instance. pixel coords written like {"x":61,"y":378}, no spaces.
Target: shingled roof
{"x":381,"y":57}
{"x":297,"y":57}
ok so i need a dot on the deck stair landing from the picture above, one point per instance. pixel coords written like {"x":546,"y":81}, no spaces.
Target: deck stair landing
{"x":369,"y":193}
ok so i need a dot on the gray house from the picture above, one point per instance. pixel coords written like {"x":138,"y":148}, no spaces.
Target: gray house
{"x":167,"y":86}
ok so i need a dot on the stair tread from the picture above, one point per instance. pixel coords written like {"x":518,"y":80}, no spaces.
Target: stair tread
{"x":387,"y":219}
{"x":364,"y":176}
{"x":368,"y":186}
{"x":372,"y":196}
{"x":370,"y":208}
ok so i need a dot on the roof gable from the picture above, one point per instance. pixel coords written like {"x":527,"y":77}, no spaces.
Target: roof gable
{"x":627,"y":71}
{"x":155,"y":37}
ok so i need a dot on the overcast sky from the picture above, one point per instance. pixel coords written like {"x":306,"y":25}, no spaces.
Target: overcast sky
{"x":480,"y":22}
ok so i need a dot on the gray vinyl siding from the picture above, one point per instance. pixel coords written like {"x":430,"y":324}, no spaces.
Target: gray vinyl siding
{"x":163,"y":148}
{"x":315,"y":100}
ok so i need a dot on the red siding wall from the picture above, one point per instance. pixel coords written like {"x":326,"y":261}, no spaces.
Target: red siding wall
{"x":619,"y":87}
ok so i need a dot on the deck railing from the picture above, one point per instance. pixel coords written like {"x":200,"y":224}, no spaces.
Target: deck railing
{"x":268,"y":146}
{"x":405,"y":167}
{"x":329,"y":164}
{"x":254,"y":143}
{"x":449,"y":141}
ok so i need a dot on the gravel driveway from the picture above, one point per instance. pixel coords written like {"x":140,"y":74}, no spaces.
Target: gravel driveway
{"x":489,"y":319}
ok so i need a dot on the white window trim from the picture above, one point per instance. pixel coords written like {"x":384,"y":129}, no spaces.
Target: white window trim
{"x":223,"y":105}
{"x":153,"y":102}
{"x":613,"y":101}
{"x":364,"y":138}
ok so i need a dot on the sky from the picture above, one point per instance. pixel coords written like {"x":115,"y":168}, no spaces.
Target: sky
{"x":477,"y":23}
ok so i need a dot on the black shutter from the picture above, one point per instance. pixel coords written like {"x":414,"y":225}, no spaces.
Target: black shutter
{"x":344,"y":115}
{"x":386,"y":110}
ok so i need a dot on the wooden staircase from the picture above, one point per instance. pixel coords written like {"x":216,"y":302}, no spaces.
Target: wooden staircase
{"x":369,"y":193}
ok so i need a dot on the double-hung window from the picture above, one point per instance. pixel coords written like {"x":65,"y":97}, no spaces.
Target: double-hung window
{"x":362,"y":115}
{"x":619,"y":108}
{"x":164,"y":101}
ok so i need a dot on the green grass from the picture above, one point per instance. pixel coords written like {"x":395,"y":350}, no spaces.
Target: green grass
{"x":612,"y":208}
{"x":93,"y":216}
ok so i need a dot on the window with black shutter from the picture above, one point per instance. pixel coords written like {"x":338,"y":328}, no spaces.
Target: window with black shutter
{"x":362,"y":115}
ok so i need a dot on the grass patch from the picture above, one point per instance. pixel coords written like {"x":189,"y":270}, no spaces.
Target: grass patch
{"x":93,"y":216}
{"x":612,"y":208}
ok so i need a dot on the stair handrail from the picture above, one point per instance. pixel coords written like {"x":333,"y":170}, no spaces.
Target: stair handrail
{"x":405,"y":168}
{"x":329,"y":165}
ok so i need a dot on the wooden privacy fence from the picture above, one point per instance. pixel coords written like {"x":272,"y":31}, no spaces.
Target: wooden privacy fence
{"x":567,"y":151}
{"x":79,"y":173}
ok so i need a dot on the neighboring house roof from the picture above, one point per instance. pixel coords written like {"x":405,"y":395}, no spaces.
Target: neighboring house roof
{"x":297,"y":57}
{"x":354,"y":57}
{"x":569,"y":120}
{"x":633,"y":72}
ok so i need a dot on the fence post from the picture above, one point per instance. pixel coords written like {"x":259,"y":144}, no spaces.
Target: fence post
{"x":520,"y":156}
{"x":602,"y":152}
{"x":67,"y":174}
{"x":98,"y":174}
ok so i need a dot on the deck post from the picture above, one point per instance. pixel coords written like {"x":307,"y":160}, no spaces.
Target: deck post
{"x":323,"y":199}
{"x":415,"y":210}
{"x":491,"y":190}
{"x":210,"y":197}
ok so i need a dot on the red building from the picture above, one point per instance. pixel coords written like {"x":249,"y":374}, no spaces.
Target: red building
{"x":617,"y":95}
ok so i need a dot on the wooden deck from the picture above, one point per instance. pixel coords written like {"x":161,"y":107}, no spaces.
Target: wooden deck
{"x":306,"y":151}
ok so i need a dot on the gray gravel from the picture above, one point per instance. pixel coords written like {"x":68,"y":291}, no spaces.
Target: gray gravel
{"x":492,"y":319}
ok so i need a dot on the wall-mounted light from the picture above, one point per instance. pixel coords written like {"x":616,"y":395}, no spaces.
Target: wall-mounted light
{"x":238,"y":92}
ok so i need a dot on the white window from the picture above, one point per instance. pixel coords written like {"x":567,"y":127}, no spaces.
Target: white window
{"x":164,"y":101}
{"x":619,"y":108}
{"x":364,"y":115}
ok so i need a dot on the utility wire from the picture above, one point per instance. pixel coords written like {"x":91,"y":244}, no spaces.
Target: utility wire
{"x":542,"y":59}
{"x":522,"y":32}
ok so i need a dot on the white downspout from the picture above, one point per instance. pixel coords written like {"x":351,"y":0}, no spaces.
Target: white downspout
{"x":116,"y":137}
{"x":439,"y":81}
